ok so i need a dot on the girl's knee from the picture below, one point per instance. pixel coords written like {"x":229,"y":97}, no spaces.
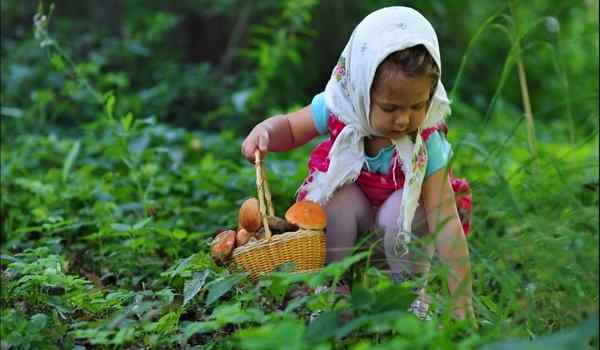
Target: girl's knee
{"x":387,"y":215}
{"x":345,"y":194}
{"x":348,"y":202}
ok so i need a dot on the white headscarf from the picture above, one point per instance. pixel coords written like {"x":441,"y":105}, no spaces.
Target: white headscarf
{"x":347,"y":95}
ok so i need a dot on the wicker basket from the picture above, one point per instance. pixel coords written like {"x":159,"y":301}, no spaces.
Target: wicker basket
{"x":304,"y":248}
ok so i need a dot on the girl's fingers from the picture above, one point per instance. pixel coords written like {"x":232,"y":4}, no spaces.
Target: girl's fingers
{"x":248,"y":148}
{"x":258,"y":139}
{"x":263,"y":142}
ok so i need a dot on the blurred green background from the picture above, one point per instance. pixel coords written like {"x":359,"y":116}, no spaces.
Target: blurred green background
{"x":228,"y":64}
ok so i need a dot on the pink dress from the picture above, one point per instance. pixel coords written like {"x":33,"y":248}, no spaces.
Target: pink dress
{"x":378,"y":187}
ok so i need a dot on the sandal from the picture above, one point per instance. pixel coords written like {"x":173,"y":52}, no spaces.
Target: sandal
{"x":420,"y":308}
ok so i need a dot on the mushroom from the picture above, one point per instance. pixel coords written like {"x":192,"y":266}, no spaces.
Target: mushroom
{"x":243,"y":236}
{"x":260,"y":235}
{"x":308,"y":215}
{"x":280,"y":225}
{"x":222,"y":245}
{"x":250,"y":218}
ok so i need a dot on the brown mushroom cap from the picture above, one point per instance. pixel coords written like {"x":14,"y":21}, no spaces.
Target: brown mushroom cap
{"x":243,"y":236}
{"x":222,"y":245}
{"x":308,"y":215}
{"x":250,"y":218}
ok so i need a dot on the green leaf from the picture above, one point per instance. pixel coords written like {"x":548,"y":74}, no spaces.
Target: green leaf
{"x":166,"y":295}
{"x":120,"y":227}
{"x":124,"y":335}
{"x":361,"y":297}
{"x":127,"y":162}
{"x":221,"y":286}
{"x":235,"y":314}
{"x":180,"y":267}
{"x":70,"y":160}
{"x":336,"y":269}
{"x":40,"y":214}
{"x":191,"y":288}
{"x":352,"y":325}
{"x":109,"y":106}
{"x":168,"y":322}
{"x":574,"y":338}
{"x":126,"y":121}
{"x":140,"y":224}
{"x":37,"y":323}
{"x":58,"y":62}
{"x":280,"y":283}
{"x":394,"y":297}
{"x":7,"y":257}
{"x":179,"y":234}
{"x":487,"y":301}
{"x":380,"y":318}
{"x":199,"y":327}
{"x":295,"y":303}
{"x":323,"y":328}
{"x":278,"y":334}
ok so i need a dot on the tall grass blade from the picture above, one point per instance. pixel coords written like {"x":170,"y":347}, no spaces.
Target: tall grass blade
{"x":475,"y":37}
{"x":68,"y":164}
{"x":531,"y":139}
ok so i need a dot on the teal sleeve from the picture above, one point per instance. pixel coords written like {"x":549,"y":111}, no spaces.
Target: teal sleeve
{"x":319,"y":113}
{"x":439,"y":152}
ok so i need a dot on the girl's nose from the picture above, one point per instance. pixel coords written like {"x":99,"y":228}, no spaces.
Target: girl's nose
{"x":402,"y":120}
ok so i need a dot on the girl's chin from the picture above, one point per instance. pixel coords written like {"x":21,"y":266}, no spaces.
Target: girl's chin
{"x":397,"y":134}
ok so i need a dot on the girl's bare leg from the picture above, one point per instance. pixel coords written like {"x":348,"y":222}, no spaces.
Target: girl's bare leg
{"x":348,"y":213}
{"x":417,"y":261}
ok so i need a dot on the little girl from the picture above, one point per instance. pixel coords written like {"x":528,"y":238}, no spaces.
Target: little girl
{"x":384,"y":166}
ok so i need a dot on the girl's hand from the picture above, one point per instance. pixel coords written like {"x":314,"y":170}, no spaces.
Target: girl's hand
{"x":439,"y":202}
{"x":280,"y":133}
{"x":257,"y":139}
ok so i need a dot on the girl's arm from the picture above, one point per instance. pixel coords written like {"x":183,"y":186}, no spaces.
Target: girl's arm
{"x":280,"y":133}
{"x":451,"y":244}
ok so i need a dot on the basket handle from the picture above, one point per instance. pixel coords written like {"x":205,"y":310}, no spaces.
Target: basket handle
{"x":264,"y":195}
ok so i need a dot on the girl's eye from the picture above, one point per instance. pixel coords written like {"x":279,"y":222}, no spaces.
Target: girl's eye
{"x":418,"y":107}
{"x":388,"y":109}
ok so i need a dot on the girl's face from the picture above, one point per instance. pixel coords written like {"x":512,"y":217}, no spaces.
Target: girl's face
{"x":399,"y":104}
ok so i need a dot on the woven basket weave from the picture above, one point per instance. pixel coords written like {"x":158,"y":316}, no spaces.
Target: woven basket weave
{"x":305,"y":249}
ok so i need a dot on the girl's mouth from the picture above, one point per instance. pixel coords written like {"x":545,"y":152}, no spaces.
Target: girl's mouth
{"x":400,"y":132}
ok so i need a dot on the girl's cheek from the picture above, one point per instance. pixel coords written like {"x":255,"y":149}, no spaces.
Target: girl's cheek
{"x":375,"y":119}
{"x":420,"y":118}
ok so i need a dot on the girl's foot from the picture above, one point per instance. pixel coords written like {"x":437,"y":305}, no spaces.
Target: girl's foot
{"x":420,"y":307}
